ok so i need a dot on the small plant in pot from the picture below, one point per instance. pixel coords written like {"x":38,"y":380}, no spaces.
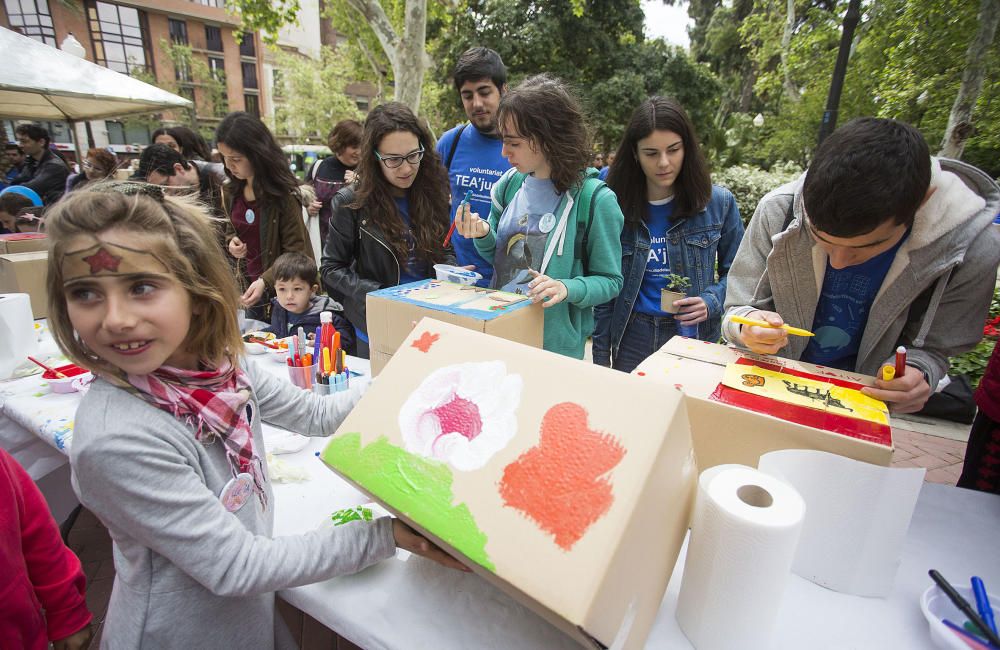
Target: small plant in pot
{"x":677,"y":286}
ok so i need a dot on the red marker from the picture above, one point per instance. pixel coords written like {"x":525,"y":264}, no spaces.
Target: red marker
{"x":900,"y":361}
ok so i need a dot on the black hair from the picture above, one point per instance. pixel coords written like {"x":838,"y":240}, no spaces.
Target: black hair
{"x":273,"y":181}
{"x":193,"y":146}
{"x":866,"y":173}
{"x":13,"y":145}
{"x":693,"y":185}
{"x":35,"y":132}
{"x":480,"y":63}
{"x":295,"y":266}
{"x":161,"y":159}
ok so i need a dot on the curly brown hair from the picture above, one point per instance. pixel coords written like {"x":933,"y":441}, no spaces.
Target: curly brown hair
{"x":543,"y":110}
{"x":428,"y":196}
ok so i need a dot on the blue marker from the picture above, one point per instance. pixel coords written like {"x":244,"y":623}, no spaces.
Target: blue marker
{"x":983,"y":603}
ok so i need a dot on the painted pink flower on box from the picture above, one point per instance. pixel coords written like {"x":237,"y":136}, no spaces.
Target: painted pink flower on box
{"x":462,"y":414}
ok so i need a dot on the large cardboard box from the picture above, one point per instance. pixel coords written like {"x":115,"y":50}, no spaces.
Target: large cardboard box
{"x":24,"y":242}
{"x":26,"y":273}
{"x":525,"y":465}
{"x":723,"y":433}
{"x":392,"y":312}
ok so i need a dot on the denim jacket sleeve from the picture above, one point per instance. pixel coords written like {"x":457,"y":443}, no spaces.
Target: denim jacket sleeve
{"x":601,"y":337}
{"x":714,"y":295}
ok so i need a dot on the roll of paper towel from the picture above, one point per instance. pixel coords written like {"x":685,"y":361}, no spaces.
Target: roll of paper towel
{"x":744,"y":532}
{"x":17,"y":332}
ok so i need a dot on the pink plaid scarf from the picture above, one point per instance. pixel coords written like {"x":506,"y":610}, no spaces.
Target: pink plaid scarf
{"x":211,"y":400}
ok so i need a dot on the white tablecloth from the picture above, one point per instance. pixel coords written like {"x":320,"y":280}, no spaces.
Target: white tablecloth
{"x":418,"y":604}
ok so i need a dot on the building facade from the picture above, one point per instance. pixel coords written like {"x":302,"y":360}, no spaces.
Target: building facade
{"x":188,"y":47}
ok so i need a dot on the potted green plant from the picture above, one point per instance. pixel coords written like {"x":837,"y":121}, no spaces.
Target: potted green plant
{"x":677,"y":286}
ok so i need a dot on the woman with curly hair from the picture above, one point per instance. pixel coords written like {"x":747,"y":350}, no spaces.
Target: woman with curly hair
{"x":388,"y":228}
{"x":554,"y":227}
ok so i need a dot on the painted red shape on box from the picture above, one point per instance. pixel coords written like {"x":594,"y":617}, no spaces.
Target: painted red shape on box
{"x":425,"y":341}
{"x":562,"y":483}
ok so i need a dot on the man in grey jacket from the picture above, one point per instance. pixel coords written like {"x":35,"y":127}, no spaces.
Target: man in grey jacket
{"x":43,"y":171}
{"x":877,"y":245}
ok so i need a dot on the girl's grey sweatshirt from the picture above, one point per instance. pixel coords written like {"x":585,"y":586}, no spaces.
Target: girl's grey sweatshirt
{"x":190,"y":574}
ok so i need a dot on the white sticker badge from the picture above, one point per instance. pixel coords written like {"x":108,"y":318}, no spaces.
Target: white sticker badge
{"x":547,"y":222}
{"x":237,"y":492}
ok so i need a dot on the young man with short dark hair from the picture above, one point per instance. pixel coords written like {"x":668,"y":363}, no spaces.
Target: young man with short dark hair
{"x":15,"y":161}
{"x":471,"y":152}
{"x":43,"y":171}
{"x":161,"y":165}
{"x":877,"y":245}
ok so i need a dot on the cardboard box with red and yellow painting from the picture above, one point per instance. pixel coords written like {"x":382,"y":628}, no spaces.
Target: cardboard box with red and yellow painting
{"x":523,"y":464}
{"x":392,"y":313}
{"x":736,"y":415}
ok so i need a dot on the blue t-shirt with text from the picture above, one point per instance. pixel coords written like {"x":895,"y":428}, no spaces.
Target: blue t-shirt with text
{"x":658,"y":217}
{"x":842,"y":311}
{"x":477,"y":164}
{"x":410,"y":272}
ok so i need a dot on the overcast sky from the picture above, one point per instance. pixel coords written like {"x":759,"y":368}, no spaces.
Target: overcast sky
{"x":669,"y":22}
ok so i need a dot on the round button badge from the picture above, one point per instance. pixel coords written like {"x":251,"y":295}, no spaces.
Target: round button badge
{"x":547,"y":222}
{"x":250,"y":216}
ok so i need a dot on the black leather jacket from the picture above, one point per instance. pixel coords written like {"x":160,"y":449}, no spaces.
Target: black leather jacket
{"x":358,"y":259}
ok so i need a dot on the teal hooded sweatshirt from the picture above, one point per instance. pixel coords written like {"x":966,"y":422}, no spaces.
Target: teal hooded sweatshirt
{"x":588,"y":259}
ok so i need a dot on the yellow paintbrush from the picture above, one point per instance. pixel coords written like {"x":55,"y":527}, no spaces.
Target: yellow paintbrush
{"x":795,"y":331}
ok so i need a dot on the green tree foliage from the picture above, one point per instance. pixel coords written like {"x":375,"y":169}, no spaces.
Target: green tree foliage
{"x":309,"y":95}
{"x":267,"y":16}
{"x":596,"y":45}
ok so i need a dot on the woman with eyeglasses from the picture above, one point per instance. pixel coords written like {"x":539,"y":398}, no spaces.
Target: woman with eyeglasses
{"x":98,"y":165}
{"x":388,"y":228}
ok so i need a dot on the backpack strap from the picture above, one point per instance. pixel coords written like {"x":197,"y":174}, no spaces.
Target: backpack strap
{"x":454,"y":146}
{"x":585,"y":218}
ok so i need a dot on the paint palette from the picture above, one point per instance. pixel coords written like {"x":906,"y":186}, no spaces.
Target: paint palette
{"x":523,"y":464}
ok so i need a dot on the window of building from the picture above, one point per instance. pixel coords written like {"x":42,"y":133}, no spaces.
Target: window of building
{"x":249,"y":74}
{"x":120,"y":36}
{"x":213,"y":38}
{"x":178,"y":31}
{"x":252,"y":103}
{"x":221,"y":4}
{"x":247,"y":47}
{"x":116,"y":132}
{"x":217,"y":67}
{"x":32,"y":18}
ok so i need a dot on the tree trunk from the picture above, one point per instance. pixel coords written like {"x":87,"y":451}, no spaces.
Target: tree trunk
{"x":412,"y":60}
{"x":960,"y":121}
{"x":791,"y":92}
{"x":406,"y":55}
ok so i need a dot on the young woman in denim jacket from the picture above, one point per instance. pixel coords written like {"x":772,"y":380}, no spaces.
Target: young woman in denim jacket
{"x":676,"y":222}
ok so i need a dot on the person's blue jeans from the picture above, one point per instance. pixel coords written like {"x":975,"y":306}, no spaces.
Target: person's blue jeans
{"x":643,"y":336}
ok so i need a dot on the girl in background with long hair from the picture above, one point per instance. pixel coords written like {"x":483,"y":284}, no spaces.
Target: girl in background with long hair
{"x":184,"y":141}
{"x":676,"y":222}
{"x":387,"y":229}
{"x":262,"y":201}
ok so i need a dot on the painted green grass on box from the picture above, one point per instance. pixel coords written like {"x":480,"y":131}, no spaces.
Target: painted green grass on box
{"x":418,"y":487}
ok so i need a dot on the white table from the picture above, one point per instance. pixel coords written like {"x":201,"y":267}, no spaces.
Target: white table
{"x":418,"y":604}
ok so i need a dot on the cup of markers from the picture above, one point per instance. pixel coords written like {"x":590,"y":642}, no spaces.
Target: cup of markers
{"x":322,"y":365}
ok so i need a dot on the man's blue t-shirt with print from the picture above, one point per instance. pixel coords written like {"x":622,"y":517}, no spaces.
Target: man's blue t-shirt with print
{"x":477,"y":164}
{"x":658,"y":217}
{"x":842,"y":311}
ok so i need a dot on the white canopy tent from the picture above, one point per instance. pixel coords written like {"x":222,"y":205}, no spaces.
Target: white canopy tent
{"x":39,"y":82}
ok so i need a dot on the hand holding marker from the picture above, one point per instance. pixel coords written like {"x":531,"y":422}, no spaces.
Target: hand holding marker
{"x":889,"y":372}
{"x":461,"y":208}
{"x":795,"y":331}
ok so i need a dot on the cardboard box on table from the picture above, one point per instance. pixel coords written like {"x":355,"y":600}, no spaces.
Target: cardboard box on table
{"x":393,"y":311}
{"x":26,"y":273}
{"x":24,"y":242}
{"x":723,"y":433}
{"x":580,"y":514}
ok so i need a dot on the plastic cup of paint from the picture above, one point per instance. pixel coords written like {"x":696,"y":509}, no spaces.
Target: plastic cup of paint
{"x":75,"y":376}
{"x":456,"y":274}
{"x":303,"y":376}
